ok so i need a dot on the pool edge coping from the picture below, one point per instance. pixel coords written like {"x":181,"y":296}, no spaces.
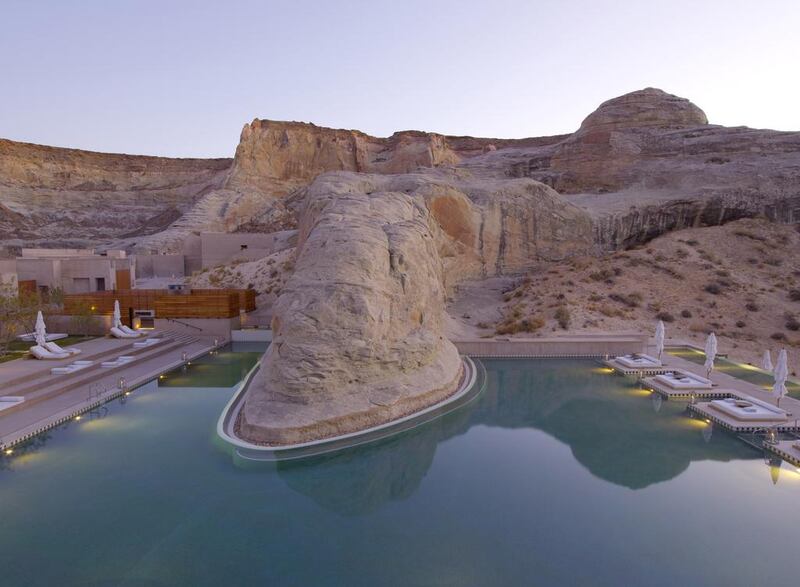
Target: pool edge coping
{"x":231,"y":410}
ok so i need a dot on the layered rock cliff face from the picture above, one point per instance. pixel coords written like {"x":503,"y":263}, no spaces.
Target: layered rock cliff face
{"x":358,"y":329}
{"x":51,"y":196}
{"x":649,"y":162}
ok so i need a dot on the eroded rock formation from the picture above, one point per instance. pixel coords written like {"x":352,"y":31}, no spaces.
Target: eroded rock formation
{"x":358,"y":329}
{"x":51,"y":196}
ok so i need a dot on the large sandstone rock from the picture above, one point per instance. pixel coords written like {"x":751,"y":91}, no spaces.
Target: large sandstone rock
{"x":358,"y":328}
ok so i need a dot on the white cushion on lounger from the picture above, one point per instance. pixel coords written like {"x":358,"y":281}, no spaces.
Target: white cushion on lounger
{"x":131,"y":331}
{"x":42,"y":353}
{"x":54,"y":348}
{"x":120,"y":334}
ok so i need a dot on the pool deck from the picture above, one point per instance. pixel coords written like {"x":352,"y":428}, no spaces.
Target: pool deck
{"x":725,"y":385}
{"x":52,"y":399}
{"x":787,"y":450}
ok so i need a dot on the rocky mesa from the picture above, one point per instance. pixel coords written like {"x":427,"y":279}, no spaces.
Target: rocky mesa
{"x":358,"y":330}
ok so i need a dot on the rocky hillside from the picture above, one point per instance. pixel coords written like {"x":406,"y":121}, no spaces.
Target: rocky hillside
{"x":741,"y":280}
{"x":58,"y":197}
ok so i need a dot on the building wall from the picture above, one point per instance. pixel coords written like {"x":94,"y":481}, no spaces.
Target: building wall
{"x":159,"y":266}
{"x":55,"y":253}
{"x":221,"y":248}
{"x":45,"y":272}
{"x":192,"y":250}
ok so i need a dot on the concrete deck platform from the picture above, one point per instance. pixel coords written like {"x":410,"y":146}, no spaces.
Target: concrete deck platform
{"x":704,"y":410}
{"x":52,"y":399}
{"x":786,"y":450}
{"x":686,"y":394}
{"x":634,"y":371}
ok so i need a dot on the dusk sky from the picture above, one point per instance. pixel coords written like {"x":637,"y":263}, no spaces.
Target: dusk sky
{"x":181,"y":78}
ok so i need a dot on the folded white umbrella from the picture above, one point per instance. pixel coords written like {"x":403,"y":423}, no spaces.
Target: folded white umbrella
{"x":40,"y":332}
{"x":766,"y":362}
{"x":711,"y":353}
{"x":117,"y":316}
{"x":780,"y":374}
{"x":660,"y":338}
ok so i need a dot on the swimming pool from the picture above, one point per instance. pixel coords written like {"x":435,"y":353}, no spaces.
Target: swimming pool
{"x":557,"y":474}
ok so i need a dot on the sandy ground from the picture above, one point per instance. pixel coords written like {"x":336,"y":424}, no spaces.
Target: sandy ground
{"x":740,"y":280}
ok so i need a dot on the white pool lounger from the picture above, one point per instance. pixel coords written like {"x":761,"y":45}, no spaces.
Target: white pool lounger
{"x":42,"y":353}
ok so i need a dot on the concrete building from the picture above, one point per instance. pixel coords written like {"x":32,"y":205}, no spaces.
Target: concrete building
{"x":73,"y":270}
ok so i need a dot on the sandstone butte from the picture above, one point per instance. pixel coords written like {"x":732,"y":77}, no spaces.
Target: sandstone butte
{"x":386,"y":226}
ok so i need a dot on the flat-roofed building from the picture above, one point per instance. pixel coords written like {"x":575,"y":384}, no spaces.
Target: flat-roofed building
{"x":73,"y":270}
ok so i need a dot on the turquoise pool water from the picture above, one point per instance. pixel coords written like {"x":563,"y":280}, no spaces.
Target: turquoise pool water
{"x":744,"y":372}
{"x":558,"y":474}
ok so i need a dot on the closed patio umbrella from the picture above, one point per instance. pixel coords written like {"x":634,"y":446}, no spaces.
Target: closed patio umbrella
{"x":711,"y":353}
{"x":40,"y":332}
{"x":766,"y":362}
{"x":659,"y":339}
{"x":781,"y":373}
{"x":117,"y":316}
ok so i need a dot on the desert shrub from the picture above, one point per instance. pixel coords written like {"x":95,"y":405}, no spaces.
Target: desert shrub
{"x":773,"y":261}
{"x":751,"y":307}
{"x":631,"y":300}
{"x":794,"y":295}
{"x":562,"y":317}
{"x":665,"y":316}
{"x":777,"y":336}
{"x":686,"y":314}
{"x":750,"y":235}
{"x":512,"y":326}
{"x":482,"y":325}
{"x":740,"y":324}
{"x":595,"y":297}
{"x":792,"y":324}
{"x":610,"y":311}
{"x":601,"y":275}
{"x":713,"y":288}
{"x":692,"y":242}
{"x":682,"y":253}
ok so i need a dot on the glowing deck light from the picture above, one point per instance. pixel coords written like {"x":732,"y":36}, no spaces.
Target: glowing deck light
{"x":77,"y":417}
{"x":9,"y":451}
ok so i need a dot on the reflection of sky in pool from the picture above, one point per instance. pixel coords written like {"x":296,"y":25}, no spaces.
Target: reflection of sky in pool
{"x":558,"y":474}
{"x":742,"y":371}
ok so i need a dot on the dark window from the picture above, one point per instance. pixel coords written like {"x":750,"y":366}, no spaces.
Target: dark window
{"x":243,"y":247}
{"x":101,"y":284}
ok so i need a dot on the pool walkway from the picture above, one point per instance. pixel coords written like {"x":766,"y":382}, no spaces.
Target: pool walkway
{"x":51,"y":399}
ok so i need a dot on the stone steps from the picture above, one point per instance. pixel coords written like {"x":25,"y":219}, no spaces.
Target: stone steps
{"x":87,"y":376}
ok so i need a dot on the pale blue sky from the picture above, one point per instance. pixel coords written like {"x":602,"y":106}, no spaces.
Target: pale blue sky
{"x":181,"y":78}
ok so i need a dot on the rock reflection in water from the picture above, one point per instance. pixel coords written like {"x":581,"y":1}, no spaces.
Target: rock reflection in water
{"x":610,"y":427}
